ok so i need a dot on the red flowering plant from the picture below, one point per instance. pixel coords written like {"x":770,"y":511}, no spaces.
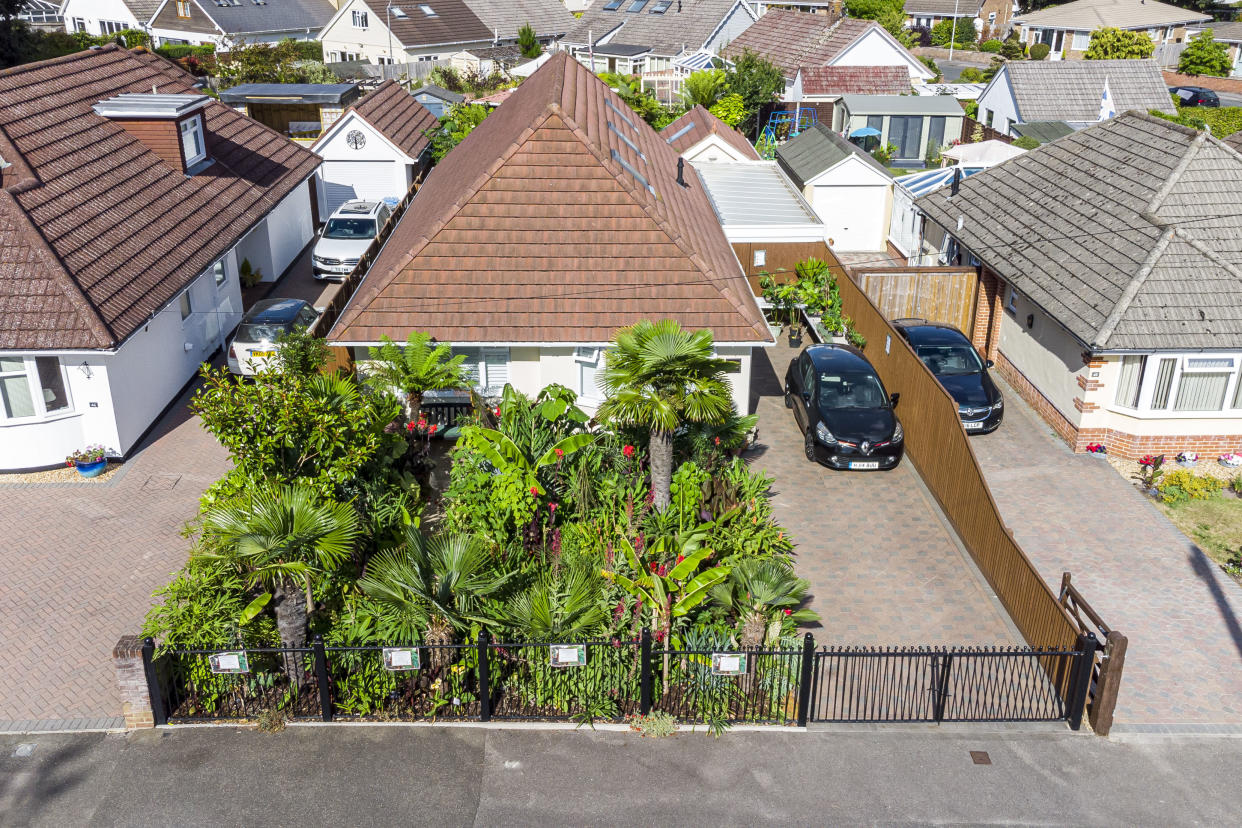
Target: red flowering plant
{"x":1096,"y":448}
{"x":1151,"y":469}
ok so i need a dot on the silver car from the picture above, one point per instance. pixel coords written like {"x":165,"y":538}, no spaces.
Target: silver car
{"x":254,"y":342}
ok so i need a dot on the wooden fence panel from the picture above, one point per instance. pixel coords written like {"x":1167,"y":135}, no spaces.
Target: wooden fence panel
{"x":940,"y":449}
{"x":937,"y":294}
{"x":989,"y":134}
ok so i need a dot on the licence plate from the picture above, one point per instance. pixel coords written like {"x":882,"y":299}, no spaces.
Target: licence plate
{"x":864,"y":464}
{"x":261,"y":354}
{"x":969,"y":426}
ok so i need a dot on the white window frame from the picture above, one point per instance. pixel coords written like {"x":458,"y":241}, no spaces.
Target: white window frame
{"x":107,"y":27}
{"x":588,"y":358}
{"x":220,"y":273}
{"x":476,"y":361}
{"x":185,"y":306}
{"x":1184,"y":365}
{"x":359,"y":19}
{"x":1077,"y":45}
{"x":190,"y":129}
{"x":31,"y":373}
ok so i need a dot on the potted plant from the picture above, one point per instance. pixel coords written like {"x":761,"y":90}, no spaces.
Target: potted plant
{"x":90,"y":461}
{"x":1188,"y":459}
{"x":1097,"y":449}
{"x":783,"y":298}
{"x":1230,"y":459}
{"x":1151,"y":469}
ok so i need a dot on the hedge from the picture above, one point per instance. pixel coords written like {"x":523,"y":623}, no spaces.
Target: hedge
{"x":177,"y":51}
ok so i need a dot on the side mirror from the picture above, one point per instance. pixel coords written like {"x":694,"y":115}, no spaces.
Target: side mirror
{"x":806,"y":395}
{"x":989,"y":363}
{"x":893,"y":398}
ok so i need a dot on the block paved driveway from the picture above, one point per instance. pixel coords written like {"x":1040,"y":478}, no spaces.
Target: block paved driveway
{"x":80,"y":562}
{"x":882,"y":564}
{"x":1145,"y":578}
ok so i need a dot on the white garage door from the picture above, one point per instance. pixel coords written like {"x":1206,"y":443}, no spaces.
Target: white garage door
{"x":853,"y":216}
{"x":344,"y":180}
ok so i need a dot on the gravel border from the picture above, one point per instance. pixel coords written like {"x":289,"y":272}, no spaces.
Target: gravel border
{"x":63,"y":476}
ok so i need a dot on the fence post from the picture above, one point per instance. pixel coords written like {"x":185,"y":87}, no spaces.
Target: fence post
{"x":1105,"y":700}
{"x":485,"y":688}
{"x":804,"y":686}
{"x":945,"y":664}
{"x":1080,"y":686}
{"x":321,"y":678}
{"x":644,"y":673}
{"x":159,"y":711}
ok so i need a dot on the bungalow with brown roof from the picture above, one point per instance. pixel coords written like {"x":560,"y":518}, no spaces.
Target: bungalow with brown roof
{"x":698,"y":135}
{"x":376,"y":150}
{"x":128,"y":203}
{"x":561,"y":218}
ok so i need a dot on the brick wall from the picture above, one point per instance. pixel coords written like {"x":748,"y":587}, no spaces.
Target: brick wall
{"x":131,"y":680}
{"x":1231,"y":85}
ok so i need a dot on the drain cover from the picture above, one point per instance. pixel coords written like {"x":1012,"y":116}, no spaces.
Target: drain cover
{"x":161,"y":482}
{"x":24,"y":749}
{"x":980,"y":757}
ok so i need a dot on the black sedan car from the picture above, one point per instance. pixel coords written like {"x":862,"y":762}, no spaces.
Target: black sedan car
{"x":843,"y":410}
{"x":948,"y":354}
{"x":1195,"y":96}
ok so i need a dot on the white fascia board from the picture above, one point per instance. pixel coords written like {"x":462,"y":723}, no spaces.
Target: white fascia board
{"x":740,"y":233}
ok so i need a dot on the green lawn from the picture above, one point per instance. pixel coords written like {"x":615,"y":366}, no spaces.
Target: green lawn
{"x":1215,"y":525}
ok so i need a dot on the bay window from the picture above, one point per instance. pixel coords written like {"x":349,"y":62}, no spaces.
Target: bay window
{"x":32,"y":387}
{"x":1183,"y":383}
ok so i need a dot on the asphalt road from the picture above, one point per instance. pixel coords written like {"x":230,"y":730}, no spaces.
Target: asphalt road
{"x":359,"y":776}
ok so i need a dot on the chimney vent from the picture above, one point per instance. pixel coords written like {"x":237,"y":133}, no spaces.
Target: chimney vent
{"x":681,"y":171}
{"x":957,"y":181}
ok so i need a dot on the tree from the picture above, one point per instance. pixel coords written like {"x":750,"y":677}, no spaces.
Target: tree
{"x":301,"y":353}
{"x":1011,"y":48}
{"x":764,"y":593}
{"x":890,"y":14}
{"x":630,"y":89}
{"x":284,"y":62}
{"x":285,"y":540}
{"x":731,"y":109}
{"x":962,"y":32}
{"x":1203,"y":55}
{"x":704,"y":87}
{"x":1109,"y":43}
{"x":528,"y":43}
{"x":414,"y":368}
{"x":453,"y":128}
{"x":660,"y":377}
{"x":430,"y":587}
{"x":758,"y":82}
{"x":562,"y":605}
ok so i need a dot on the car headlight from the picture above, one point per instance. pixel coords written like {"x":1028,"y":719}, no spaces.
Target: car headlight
{"x":899,"y":434}
{"x":823,"y":434}
{"x":999,"y":405}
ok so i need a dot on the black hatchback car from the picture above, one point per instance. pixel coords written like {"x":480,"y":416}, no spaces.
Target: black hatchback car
{"x":843,"y":410}
{"x":1195,"y":96}
{"x":948,"y":354}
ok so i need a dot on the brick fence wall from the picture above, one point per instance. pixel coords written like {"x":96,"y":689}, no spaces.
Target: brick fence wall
{"x":1232,"y":85}
{"x":131,"y":679}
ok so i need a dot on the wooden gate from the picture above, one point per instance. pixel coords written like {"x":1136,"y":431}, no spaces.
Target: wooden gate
{"x":937,"y":294}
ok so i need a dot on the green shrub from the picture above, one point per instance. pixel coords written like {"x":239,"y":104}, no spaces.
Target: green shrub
{"x":1026,"y":142}
{"x":1183,"y":486}
{"x":963,"y":35}
{"x":1012,"y":48}
{"x":1040,"y":51}
{"x":177,"y":51}
{"x":990,"y":46}
{"x":971,"y":75}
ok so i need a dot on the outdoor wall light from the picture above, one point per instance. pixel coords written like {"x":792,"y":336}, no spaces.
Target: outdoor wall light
{"x":1030,"y":320}
{"x":85,"y":368}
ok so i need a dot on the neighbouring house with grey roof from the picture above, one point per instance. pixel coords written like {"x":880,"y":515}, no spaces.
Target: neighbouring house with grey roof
{"x":104,"y":17}
{"x":1067,"y":28}
{"x":645,"y":37}
{"x":1041,"y":131}
{"x":1228,"y":33}
{"x":437,"y":99}
{"x":1111,"y":283}
{"x":1079,"y":93}
{"x":990,"y":16}
{"x":911,"y":123}
{"x":850,"y":191}
{"x":223,"y":23}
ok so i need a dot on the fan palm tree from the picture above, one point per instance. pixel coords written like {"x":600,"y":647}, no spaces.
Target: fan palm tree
{"x":760,"y":591}
{"x":659,"y":376}
{"x":561,"y":606}
{"x":430,"y":587}
{"x":283,"y":540}
{"x":414,"y":368}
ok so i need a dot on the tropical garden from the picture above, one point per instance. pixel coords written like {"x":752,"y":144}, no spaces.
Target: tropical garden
{"x":545,"y":524}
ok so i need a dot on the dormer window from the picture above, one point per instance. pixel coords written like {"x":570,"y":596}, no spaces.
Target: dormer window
{"x":192,"y":144}
{"x":183,"y":9}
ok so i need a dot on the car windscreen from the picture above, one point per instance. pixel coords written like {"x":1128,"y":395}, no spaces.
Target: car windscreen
{"x":350,"y":228}
{"x":259,"y":332}
{"x":851,"y":389}
{"x":950,"y":360}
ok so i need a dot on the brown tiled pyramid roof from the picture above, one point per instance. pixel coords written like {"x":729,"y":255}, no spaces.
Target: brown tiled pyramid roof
{"x":793,"y":39}
{"x":398,"y":117}
{"x":702,"y":124}
{"x":97,"y":233}
{"x":855,"y":80}
{"x":558,"y":219}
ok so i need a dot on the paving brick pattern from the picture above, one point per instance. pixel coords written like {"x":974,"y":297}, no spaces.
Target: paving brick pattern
{"x":1145,"y":578}
{"x":883,"y":568}
{"x":80,"y":562}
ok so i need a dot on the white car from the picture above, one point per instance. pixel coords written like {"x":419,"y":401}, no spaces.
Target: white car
{"x":254,"y":343}
{"x":346,"y":236}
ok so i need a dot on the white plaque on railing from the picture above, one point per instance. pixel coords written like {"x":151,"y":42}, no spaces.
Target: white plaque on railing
{"x":229,"y":662}
{"x":568,"y":655}
{"x":728,"y":664}
{"x":400,"y":658}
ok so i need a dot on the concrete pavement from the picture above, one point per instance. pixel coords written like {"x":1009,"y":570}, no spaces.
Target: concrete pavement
{"x":361,"y":776}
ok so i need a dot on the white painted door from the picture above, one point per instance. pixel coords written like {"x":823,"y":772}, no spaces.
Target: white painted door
{"x":345,"y":180}
{"x":853,"y":216}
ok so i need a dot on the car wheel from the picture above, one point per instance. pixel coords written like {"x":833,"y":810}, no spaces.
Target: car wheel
{"x":810,"y":447}
{"x":788,"y":399}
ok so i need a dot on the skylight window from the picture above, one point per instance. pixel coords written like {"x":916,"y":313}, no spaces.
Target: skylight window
{"x":427,"y":10}
{"x":627,"y":141}
{"x":636,"y":6}
{"x":613,"y":5}
{"x":616,"y":156}
{"x":680,"y":132}
{"x":620,"y":114}
{"x":661,"y":6}
{"x":398,"y":13}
